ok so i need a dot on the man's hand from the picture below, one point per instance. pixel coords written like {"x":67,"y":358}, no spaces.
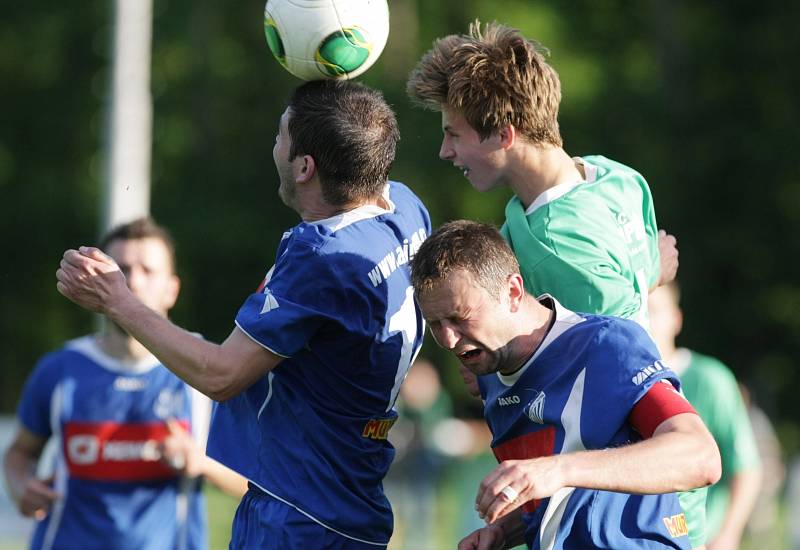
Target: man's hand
{"x":515,"y":482}
{"x":36,"y":498}
{"x":668,"y":250}
{"x":490,"y":537}
{"x":180,"y":452}
{"x":90,"y":278}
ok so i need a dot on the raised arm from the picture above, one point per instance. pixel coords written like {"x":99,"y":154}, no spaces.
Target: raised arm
{"x":93,"y":280}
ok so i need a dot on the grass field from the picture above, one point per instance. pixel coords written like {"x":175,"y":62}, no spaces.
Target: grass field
{"x":221,"y":509}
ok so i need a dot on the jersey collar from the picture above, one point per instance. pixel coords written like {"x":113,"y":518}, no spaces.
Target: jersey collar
{"x":88,"y":347}
{"x":558,"y":191}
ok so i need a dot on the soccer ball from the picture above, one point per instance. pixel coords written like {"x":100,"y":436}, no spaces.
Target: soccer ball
{"x":315,"y":39}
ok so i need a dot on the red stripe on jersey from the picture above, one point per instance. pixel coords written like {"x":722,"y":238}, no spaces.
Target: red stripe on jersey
{"x":661,"y":402}
{"x":531,"y":445}
{"x":109,"y":451}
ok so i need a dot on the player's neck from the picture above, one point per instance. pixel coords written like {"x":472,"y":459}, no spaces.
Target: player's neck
{"x":119,"y":345}
{"x":316,"y":208}
{"x":667,"y":350}
{"x":542,"y":319}
{"x":538,"y":168}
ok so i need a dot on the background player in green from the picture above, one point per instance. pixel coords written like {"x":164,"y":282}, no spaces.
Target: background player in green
{"x":582,"y":228}
{"x":711,"y":387}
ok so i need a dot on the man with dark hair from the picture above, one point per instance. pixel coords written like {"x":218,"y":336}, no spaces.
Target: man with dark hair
{"x":130,"y":434}
{"x":591,"y":433}
{"x":583,"y":228}
{"x":309,"y":376}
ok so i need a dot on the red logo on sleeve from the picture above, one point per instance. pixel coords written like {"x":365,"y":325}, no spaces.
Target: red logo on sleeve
{"x":109,"y":451}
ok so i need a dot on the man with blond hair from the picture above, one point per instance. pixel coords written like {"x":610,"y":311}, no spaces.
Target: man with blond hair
{"x":583,"y":228}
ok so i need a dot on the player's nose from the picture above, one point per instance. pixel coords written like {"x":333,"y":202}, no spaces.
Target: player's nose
{"x":448,"y":336}
{"x":446,"y":151}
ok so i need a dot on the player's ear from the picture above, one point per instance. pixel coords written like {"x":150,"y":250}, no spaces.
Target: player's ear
{"x":305,"y":169}
{"x":516,"y":291}
{"x":508,"y":136}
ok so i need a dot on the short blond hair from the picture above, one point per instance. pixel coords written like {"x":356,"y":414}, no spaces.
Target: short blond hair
{"x":494,"y":77}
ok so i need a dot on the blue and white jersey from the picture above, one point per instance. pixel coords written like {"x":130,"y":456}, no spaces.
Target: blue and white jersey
{"x":574,"y":394}
{"x":339,"y":306}
{"x":108,"y":418}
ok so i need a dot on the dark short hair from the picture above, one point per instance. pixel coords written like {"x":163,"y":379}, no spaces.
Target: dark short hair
{"x":141,"y":228}
{"x":474,"y":247}
{"x":350,"y":131}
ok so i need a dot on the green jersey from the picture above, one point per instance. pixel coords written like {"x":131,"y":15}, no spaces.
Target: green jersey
{"x":592,"y":244}
{"x":712,"y":389}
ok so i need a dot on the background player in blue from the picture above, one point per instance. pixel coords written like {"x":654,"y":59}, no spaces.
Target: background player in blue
{"x":310,"y":373}
{"x":592,"y":444}
{"x":127,"y":471}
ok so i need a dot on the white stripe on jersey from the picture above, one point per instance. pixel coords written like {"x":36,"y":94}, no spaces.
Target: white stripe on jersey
{"x":270,"y":376}
{"x":60,"y":472}
{"x":571,"y":420}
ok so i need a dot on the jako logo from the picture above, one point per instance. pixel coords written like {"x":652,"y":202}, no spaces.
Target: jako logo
{"x":510,"y":400}
{"x":535,"y":409}
{"x":647,"y":372}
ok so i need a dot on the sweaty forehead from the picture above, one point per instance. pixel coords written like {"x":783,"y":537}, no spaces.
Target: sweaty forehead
{"x":451,"y":296}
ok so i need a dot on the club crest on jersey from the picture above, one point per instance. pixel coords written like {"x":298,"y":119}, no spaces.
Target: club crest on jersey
{"x":535,"y":409}
{"x":647,"y":372}
{"x":270,"y":302}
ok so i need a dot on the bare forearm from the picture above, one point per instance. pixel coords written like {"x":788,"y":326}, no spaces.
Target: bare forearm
{"x":18,"y":468}
{"x":667,"y":462}
{"x":196,"y":361}
{"x":224,"y":478}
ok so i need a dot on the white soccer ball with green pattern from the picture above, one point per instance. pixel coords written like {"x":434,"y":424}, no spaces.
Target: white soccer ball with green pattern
{"x":316,"y":39}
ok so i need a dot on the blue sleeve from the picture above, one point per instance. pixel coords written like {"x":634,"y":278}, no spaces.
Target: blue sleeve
{"x":626,"y":365}
{"x":301,"y":294}
{"x":35,"y":404}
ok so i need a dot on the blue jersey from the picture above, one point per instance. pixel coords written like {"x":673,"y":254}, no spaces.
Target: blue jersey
{"x":339,"y":306}
{"x":574,"y":394}
{"x":108,"y":418}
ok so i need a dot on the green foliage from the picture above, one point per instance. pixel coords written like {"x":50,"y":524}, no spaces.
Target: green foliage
{"x":700,"y":97}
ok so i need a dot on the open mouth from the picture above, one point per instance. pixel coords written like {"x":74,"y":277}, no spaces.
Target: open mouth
{"x":470,"y":354}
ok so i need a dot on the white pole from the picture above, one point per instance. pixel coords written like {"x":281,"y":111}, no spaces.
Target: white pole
{"x":127,"y":185}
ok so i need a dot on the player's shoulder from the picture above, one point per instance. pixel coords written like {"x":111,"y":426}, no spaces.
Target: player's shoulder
{"x":69,"y":352}
{"x":607,"y":166}
{"x":612,"y":331}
